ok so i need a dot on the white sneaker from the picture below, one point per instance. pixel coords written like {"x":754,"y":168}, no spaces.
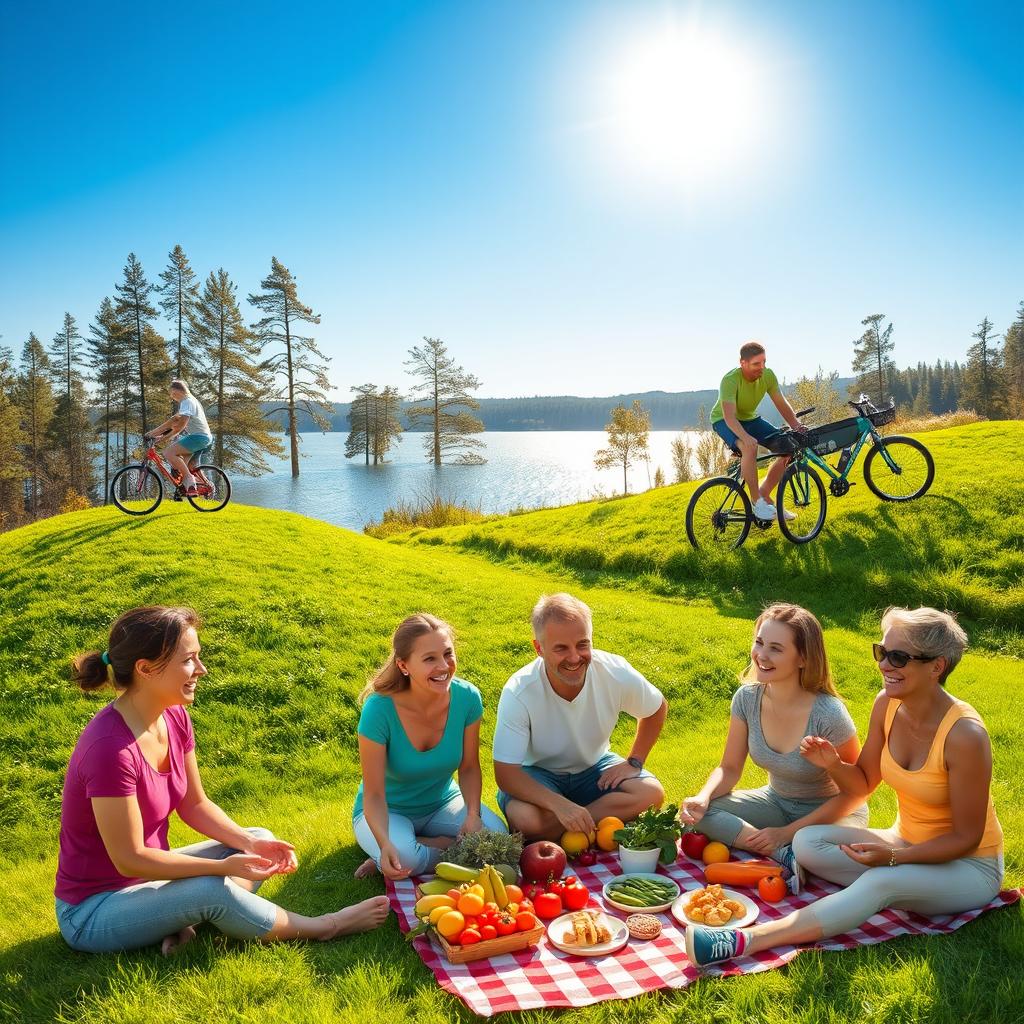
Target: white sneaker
{"x":790,"y":516}
{"x":764,"y":509}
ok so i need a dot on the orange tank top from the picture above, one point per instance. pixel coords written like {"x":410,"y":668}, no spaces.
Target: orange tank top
{"x":922,"y":796}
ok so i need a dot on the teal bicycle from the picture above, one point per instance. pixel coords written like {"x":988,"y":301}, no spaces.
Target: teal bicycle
{"x":896,"y":468}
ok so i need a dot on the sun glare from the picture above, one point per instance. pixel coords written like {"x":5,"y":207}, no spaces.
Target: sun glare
{"x":685,"y":106}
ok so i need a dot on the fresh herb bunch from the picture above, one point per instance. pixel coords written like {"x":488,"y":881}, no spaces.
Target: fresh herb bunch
{"x":475,"y":849}
{"x":653,"y":828}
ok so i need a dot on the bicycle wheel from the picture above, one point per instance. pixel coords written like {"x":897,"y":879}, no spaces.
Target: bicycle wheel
{"x":802,"y":494}
{"x":914,"y":469}
{"x":215,"y":493}
{"x":136,"y":490}
{"x":718,"y":515}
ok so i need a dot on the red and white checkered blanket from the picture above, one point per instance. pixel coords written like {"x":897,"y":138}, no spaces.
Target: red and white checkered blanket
{"x":544,"y":976}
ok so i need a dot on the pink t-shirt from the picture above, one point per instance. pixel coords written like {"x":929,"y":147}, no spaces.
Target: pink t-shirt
{"x":108,"y":762}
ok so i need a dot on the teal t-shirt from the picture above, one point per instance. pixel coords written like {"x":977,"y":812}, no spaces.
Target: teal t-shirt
{"x":747,"y":394}
{"x":417,"y":783}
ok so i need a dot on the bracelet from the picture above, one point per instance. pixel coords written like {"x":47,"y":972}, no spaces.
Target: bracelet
{"x":892,"y":856}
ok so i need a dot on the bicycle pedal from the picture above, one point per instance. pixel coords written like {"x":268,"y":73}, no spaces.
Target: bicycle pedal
{"x":177,"y":497}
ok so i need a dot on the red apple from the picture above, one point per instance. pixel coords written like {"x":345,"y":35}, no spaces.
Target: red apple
{"x":541,"y":861}
{"x":693,"y":844}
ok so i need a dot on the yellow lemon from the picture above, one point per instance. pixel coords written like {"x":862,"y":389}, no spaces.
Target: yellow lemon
{"x":715,"y":853}
{"x":574,"y":842}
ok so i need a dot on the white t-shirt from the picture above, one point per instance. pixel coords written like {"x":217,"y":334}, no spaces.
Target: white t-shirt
{"x":537,"y":727}
{"x":189,"y":406}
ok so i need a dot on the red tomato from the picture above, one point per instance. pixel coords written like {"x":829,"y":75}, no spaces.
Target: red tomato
{"x":532,"y":890}
{"x":525,"y":921}
{"x":472,"y":922}
{"x":469,"y":937}
{"x":488,"y":931}
{"x":492,"y":907}
{"x":586,"y":858}
{"x":693,"y":844}
{"x":548,"y":905}
{"x":556,"y":886}
{"x":575,"y":896}
{"x":772,"y":888}
{"x":506,"y":924}
{"x":527,"y":905}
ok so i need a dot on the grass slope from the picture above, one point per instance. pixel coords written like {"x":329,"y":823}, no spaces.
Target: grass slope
{"x":298,"y":614}
{"x":960,"y":547}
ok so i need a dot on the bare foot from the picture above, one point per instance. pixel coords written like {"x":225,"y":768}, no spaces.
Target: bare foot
{"x":367,"y":869}
{"x":360,"y":917}
{"x":173,"y":943}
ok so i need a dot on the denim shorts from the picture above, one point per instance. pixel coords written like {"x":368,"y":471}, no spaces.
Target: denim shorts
{"x":758,"y":428}
{"x":579,"y":787}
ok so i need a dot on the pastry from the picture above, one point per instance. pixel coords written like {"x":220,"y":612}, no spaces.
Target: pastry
{"x":643,"y":926}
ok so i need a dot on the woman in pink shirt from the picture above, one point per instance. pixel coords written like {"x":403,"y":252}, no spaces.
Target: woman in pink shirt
{"x":119,"y":885}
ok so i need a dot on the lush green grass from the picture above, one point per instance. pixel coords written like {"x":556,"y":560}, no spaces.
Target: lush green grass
{"x":298,"y":613}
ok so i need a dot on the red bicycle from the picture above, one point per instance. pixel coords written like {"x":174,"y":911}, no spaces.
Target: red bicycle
{"x":137,"y":490}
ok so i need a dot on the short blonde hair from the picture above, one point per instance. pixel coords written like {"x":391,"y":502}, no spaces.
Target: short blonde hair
{"x":933,"y":633}
{"x":815,"y":676}
{"x":561,"y":608}
{"x":179,"y":385}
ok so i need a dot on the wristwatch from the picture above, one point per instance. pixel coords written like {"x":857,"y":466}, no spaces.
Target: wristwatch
{"x":635,"y":762}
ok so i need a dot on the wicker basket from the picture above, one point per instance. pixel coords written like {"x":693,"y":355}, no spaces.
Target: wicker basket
{"x":830,"y":437}
{"x":491,"y":947}
{"x":883,"y":417}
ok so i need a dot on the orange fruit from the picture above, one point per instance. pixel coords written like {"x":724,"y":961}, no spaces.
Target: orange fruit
{"x":612,"y":822}
{"x":451,"y":924}
{"x":470,"y":904}
{"x":606,"y":836}
{"x":574,"y":842}
{"x":715,"y":853}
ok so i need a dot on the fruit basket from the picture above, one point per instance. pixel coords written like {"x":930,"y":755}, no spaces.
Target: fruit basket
{"x":489,"y":947}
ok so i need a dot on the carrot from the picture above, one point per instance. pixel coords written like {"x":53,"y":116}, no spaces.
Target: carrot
{"x":740,"y":872}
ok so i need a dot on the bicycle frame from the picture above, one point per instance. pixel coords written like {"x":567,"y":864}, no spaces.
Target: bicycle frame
{"x":867,"y":430}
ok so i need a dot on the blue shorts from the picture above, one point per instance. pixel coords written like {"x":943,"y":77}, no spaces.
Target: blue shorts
{"x":757,"y":427}
{"x":579,"y":787}
{"x":194,"y":442}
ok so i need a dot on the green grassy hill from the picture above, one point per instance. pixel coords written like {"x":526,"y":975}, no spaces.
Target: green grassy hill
{"x":298,"y":613}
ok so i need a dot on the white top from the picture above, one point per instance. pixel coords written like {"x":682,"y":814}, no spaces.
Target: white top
{"x":189,"y":406}
{"x":537,"y":727}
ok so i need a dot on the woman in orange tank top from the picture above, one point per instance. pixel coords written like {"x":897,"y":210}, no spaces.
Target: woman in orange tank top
{"x":944,"y":852}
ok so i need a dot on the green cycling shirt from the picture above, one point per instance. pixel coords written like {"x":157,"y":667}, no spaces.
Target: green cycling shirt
{"x":746,"y":394}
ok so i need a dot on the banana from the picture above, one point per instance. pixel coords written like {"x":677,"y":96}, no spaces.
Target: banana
{"x":435,"y":887}
{"x":455,"y":872}
{"x":498,"y":885}
{"x":425,"y":904}
{"x":484,"y":879}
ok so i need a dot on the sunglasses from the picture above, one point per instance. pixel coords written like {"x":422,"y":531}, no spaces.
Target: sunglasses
{"x":898,"y":659}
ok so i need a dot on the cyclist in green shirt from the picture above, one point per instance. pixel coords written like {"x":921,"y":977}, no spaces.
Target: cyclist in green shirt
{"x":734,"y":418}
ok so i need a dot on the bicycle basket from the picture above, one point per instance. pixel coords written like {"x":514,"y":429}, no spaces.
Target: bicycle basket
{"x":830,"y":437}
{"x":883,"y":417}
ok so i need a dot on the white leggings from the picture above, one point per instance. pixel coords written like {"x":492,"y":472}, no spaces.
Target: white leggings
{"x":929,"y":889}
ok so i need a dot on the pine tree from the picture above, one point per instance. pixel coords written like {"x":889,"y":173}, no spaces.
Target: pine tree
{"x":12,"y":443}
{"x":628,"y":433}
{"x":110,"y":360}
{"x":446,"y":400}
{"x":238,"y":382}
{"x":301,"y":364}
{"x":136,"y":313}
{"x":1013,"y":360}
{"x":34,"y":396}
{"x":360,"y":419}
{"x":984,"y":390}
{"x":180,"y":291}
{"x":71,"y":428}
{"x":871,"y":361}
{"x":387,"y":425}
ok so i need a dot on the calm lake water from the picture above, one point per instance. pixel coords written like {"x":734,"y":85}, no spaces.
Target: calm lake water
{"x":522,"y":470}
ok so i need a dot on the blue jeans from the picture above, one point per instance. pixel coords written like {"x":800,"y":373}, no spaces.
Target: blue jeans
{"x":579,"y":787}
{"x":144,"y":914}
{"x":402,"y":831}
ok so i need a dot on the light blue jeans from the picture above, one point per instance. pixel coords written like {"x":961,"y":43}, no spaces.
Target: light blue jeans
{"x":402,"y":831}
{"x":144,"y":914}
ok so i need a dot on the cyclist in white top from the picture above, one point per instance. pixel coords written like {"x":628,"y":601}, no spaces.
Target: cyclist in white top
{"x":190,"y":431}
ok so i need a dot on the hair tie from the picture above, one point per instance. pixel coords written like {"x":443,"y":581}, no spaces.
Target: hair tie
{"x":105,"y":657}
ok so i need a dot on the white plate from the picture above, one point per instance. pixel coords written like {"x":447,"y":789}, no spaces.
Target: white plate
{"x":639,"y":910}
{"x":558,"y":927}
{"x":737,"y":922}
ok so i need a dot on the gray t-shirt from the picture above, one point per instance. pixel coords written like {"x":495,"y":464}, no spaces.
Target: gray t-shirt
{"x":789,"y":774}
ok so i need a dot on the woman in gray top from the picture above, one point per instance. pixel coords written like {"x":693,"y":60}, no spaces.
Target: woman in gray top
{"x":787,"y":694}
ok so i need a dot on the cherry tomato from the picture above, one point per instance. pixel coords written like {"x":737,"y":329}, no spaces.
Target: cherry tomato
{"x":557,"y":886}
{"x":472,"y":922}
{"x":548,"y":905}
{"x":492,"y":907}
{"x":506,"y":924}
{"x":488,"y":931}
{"x":587,"y":858}
{"x":525,"y":921}
{"x":575,"y":896}
{"x":772,"y":888}
{"x":469,"y":937}
{"x":532,"y":890}
{"x":526,"y":905}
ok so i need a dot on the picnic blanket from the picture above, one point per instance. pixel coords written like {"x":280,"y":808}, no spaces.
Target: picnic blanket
{"x":543,"y":976}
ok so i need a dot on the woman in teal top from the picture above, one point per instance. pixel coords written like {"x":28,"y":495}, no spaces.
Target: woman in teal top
{"x":419,"y":725}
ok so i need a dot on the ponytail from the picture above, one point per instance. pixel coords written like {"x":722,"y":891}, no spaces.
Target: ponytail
{"x":389,"y":678}
{"x":90,"y":672}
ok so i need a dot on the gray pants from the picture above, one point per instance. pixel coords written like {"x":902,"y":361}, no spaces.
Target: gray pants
{"x":930,"y":889}
{"x":761,"y":808}
{"x":144,"y":914}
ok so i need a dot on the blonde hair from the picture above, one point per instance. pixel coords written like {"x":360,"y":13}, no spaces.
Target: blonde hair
{"x":561,"y":608}
{"x":815,"y":676}
{"x":389,"y":678}
{"x":180,"y":385}
{"x":933,"y":633}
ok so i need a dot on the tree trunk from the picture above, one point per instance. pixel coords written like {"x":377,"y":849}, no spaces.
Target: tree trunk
{"x":220,"y":398}
{"x":291,"y":397}
{"x":142,"y":367}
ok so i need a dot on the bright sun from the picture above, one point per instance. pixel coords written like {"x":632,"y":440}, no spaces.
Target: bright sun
{"x":685,"y":106}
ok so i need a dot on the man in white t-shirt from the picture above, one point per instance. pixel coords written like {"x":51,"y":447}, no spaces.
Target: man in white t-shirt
{"x":193,"y":435}
{"x":552,"y":758}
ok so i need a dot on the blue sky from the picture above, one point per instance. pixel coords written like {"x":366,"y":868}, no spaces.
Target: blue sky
{"x":471,"y":171}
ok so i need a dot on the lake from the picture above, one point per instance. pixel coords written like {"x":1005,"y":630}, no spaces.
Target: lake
{"x":523,"y":470}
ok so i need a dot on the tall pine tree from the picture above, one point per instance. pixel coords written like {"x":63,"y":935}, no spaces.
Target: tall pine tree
{"x":137,"y":314}
{"x":300,"y":365}
{"x":180,"y":296}
{"x":34,"y":396}
{"x":12,"y":444}
{"x":360,"y":421}
{"x":236,"y":382}
{"x":70,"y":427}
{"x":110,"y":359}
{"x":871,"y":360}
{"x":445,"y":388}
{"x":984,"y":389}
{"x":1013,"y":365}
